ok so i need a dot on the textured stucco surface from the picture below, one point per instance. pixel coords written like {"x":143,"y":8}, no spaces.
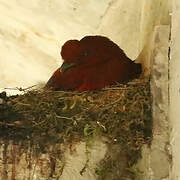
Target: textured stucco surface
{"x":156,"y":160}
{"x":175,"y":90}
{"x":32,"y":32}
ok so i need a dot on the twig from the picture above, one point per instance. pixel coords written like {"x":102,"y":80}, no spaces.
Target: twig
{"x":11,"y":125}
{"x":63,"y":117}
{"x":110,"y":104}
{"x":23,"y":104}
{"x":21,"y":89}
{"x":116,"y":88}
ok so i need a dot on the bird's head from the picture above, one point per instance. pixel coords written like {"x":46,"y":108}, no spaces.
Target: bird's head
{"x":71,"y":51}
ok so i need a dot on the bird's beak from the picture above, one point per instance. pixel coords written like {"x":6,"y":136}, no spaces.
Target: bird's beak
{"x":65,"y":66}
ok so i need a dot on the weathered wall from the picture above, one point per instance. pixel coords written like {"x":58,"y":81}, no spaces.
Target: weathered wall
{"x":175,"y":90}
{"x":158,"y":153}
{"x":131,"y":23}
{"x":32,"y":32}
{"x":22,"y":161}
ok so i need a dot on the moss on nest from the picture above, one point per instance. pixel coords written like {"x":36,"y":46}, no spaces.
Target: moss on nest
{"x":122,"y":113}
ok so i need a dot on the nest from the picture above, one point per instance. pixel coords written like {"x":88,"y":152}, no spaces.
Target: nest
{"x":122,"y":113}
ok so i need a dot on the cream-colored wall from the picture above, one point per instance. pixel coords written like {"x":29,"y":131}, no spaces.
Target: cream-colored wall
{"x":158,"y":153}
{"x":32,"y":32}
{"x":131,"y":23}
{"x":175,"y":90}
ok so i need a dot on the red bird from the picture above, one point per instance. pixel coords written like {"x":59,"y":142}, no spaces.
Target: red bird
{"x":91,"y":64}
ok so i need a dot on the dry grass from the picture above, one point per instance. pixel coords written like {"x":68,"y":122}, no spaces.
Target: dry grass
{"x":122,"y":113}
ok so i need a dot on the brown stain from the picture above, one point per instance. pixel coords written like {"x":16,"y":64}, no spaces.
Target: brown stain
{"x":5,"y":158}
{"x":44,"y":36}
{"x":13,"y":155}
{"x":23,"y":36}
{"x":52,"y":165}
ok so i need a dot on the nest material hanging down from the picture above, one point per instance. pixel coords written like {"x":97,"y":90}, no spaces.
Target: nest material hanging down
{"x":121,"y":113}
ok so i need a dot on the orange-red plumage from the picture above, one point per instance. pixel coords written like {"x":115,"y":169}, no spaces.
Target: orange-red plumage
{"x":91,"y":64}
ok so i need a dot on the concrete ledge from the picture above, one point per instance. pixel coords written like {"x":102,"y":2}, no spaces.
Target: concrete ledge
{"x":156,"y":160}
